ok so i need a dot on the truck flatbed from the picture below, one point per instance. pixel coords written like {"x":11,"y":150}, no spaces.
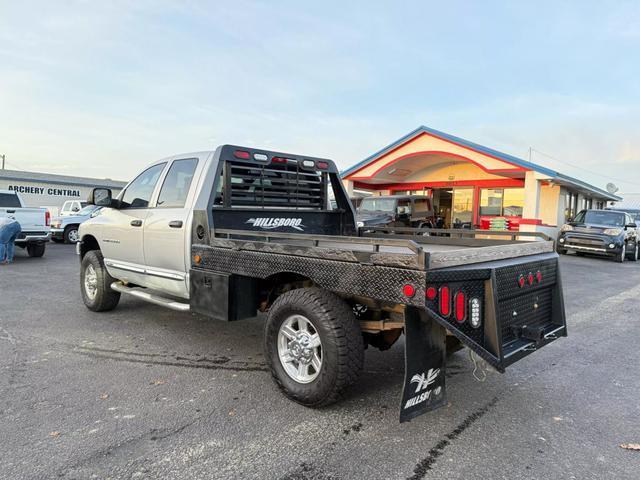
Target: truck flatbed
{"x":419,"y":251}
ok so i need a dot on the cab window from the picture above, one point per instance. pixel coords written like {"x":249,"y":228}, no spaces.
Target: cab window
{"x":138,"y":193}
{"x":177,"y":183}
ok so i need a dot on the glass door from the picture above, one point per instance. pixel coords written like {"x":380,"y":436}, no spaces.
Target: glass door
{"x":462,"y":211}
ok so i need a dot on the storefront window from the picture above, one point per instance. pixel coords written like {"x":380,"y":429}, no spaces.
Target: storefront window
{"x":507,"y":202}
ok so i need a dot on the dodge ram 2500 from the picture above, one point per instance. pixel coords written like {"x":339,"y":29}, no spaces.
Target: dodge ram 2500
{"x":238,"y":231}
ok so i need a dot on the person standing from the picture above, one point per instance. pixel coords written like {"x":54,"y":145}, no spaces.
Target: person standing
{"x":9,"y":231}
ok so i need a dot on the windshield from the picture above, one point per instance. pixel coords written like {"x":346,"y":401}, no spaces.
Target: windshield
{"x":601,"y":217}
{"x":377,"y":205}
{"x":87,"y":210}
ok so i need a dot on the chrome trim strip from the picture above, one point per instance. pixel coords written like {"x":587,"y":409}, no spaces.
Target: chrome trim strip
{"x":578,"y":247}
{"x":145,"y":271}
{"x":155,"y":299}
{"x":120,"y":266}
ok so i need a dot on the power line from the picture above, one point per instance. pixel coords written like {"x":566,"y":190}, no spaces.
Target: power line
{"x":531,"y":149}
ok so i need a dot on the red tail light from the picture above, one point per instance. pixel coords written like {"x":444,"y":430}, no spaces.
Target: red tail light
{"x":539,"y":276}
{"x":460,"y":301}
{"x":445,"y":301}
{"x":47,"y":218}
{"x":408,"y":290}
{"x":521,"y":281}
{"x":322,"y":165}
{"x":530,"y":278}
{"x":278,"y":160}
{"x":431,"y":293}
{"x":241,"y":154}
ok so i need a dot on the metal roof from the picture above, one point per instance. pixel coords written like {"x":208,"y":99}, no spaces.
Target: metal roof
{"x":20,"y":175}
{"x":559,"y":177}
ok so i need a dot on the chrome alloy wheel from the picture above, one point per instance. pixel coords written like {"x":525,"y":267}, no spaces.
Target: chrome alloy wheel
{"x":300,"y":349}
{"x":90,"y":282}
{"x":73,"y":236}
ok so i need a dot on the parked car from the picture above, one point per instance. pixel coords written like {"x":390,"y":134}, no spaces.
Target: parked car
{"x":71,"y":207}
{"x":35,"y":222}
{"x":396,"y":211}
{"x":231,"y":233}
{"x":603,"y":232}
{"x":65,"y":229}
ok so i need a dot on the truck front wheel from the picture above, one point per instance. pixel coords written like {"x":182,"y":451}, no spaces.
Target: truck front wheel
{"x":95,"y":283}
{"x":314,"y":346}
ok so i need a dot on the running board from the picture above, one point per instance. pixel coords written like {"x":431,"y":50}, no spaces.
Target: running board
{"x":140,"y":293}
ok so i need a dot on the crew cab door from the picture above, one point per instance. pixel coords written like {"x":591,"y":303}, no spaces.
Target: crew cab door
{"x":166,"y":231}
{"x":123,"y":228}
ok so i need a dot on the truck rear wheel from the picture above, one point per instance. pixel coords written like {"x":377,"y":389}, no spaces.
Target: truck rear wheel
{"x":314,"y":346}
{"x":36,"y":249}
{"x":95,"y":283}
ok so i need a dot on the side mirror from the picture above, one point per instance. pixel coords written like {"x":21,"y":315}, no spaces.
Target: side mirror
{"x":101,"y":197}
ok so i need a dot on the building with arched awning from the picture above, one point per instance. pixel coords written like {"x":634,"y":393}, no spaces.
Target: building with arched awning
{"x":471,"y":184}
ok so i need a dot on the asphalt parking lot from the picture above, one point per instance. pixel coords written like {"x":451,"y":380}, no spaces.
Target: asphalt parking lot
{"x":143,"y":392}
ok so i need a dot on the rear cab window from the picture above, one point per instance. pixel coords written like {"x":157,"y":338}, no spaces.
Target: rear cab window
{"x":177,"y":183}
{"x":9,"y":200}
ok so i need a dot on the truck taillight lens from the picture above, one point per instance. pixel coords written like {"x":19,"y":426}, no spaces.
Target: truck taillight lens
{"x":279,"y":160}
{"x":460,"y":302}
{"x":322,"y":165}
{"x":408,"y":290}
{"x":539,"y":276}
{"x":521,"y":281}
{"x":475,"y":314}
{"x":47,"y":218}
{"x":445,"y":301}
{"x":241,"y":154}
{"x":431,"y":293}
{"x":530,"y":278}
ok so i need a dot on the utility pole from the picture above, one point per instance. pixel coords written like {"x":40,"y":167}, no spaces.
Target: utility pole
{"x":3,"y":155}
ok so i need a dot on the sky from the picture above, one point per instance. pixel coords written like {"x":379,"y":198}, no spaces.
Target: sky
{"x":104,"y":88}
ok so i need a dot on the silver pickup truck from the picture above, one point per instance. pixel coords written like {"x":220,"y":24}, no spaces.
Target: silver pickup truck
{"x":240,"y":232}
{"x":35,"y":222}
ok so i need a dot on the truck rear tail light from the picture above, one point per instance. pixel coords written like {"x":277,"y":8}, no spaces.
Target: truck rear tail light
{"x":47,"y":218}
{"x":322,"y":165}
{"x":431,"y":293}
{"x":408,"y":290}
{"x":460,"y":302}
{"x":445,"y":301}
{"x":530,"y":278}
{"x":279,"y":160}
{"x":475,"y":316}
{"x":521,"y":281}
{"x":539,"y":276}
{"x":241,"y":154}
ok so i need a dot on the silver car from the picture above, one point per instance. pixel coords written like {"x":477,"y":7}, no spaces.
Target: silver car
{"x":65,"y":228}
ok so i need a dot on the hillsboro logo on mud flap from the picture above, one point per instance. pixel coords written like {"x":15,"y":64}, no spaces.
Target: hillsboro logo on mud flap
{"x":423,"y":382}
{"x":270,"y":223}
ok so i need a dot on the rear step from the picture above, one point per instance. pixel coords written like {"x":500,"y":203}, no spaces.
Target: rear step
{"x":142,"y":294}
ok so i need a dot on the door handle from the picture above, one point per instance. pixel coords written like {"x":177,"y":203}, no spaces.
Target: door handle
{"x":136,"y":223}
{"x":175,"y":224}
{"x":11,"y":211}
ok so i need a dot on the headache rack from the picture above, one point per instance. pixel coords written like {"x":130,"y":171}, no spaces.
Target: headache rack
{"x":283,"y":183}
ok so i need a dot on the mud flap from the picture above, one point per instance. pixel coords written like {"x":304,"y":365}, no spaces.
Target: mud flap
{"x":424,"y":365}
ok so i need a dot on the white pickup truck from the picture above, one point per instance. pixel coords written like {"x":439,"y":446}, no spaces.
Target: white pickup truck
{"x":35,"y":222}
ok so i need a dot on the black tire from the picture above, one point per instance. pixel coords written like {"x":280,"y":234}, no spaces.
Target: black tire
{"x":621,"y":255}
{"x":36,"y":249}
{"x":71,"y":234}
{"x":342,"y":345}
{"x":633,"y":254}
{"x":104,"y":298}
